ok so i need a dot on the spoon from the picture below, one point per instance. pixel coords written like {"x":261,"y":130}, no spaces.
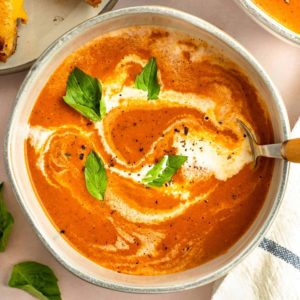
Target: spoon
{"x":288,"y":150}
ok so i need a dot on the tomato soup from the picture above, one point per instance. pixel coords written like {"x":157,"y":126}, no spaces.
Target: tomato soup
{"x":213,"y":197}
{"x":286,"y":12}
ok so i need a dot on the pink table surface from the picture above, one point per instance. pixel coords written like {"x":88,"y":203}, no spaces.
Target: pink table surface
{"x":279,"y":59}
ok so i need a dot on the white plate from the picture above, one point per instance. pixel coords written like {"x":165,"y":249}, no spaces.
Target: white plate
{"x":47,"y":21}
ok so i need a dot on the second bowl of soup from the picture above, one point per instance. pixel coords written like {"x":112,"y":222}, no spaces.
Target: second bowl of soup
{"x":280,"y":17}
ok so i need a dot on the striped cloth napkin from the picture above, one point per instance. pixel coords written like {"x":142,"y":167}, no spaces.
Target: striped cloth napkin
{"x":272,"y":271}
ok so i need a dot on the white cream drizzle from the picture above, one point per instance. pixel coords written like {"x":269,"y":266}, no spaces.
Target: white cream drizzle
{"x":148,"y":240}
{"x":153,"y":216}
{"x":207,"y":158}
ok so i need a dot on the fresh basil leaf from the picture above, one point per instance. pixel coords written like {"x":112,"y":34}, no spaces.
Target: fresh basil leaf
{"x":36,"y":279}
{"x":6,"y":222}
{"x":84,"y":94}
{"x":164,"y":170}
{"x":147,"y":79}
{"x":95,"y":176}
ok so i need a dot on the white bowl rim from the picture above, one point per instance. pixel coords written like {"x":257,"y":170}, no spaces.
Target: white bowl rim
{"x":269,"y":23}
{"x":229,"y":41}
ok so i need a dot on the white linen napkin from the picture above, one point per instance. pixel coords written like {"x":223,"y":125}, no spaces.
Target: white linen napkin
{"x":272,"y":271}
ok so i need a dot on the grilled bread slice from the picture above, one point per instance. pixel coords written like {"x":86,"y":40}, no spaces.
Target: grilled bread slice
{"x":11,"y":11}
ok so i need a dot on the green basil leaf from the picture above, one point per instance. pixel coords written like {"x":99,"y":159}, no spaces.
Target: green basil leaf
{"x":84,"y":94}
{"x":95,"y":176}
{"x":164,"y":170}
{"x":6,"y":222}
{"x":147,"y":79}
{"x":36,"y":279}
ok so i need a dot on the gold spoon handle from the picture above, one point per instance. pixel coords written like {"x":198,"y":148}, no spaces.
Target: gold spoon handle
{"x":290,"y":150}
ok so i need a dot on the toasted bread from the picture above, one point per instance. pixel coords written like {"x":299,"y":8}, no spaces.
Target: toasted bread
{"x":10,"y":12}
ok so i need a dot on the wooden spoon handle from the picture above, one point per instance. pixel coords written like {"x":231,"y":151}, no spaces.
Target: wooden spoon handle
{"x":290,"y":150}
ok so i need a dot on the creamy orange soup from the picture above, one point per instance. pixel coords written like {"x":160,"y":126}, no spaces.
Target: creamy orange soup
{"x":286,"y":12}
{"x":212,"y":199}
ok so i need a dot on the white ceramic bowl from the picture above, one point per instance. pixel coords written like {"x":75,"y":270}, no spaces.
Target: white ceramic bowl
{"x":18,"y":129}
{"x":270,"y":24}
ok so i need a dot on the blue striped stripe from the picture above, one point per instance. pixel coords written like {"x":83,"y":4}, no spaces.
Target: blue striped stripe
{"x":281,"y":252}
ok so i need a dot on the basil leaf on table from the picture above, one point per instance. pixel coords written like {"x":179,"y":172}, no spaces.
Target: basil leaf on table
{"x":147,"y":79}
{"x":95,"y":176}
{"x":6,"y":222}
{"x":84,"y":94}
{"x":36,"y":279}
{"x":164,"y":170}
